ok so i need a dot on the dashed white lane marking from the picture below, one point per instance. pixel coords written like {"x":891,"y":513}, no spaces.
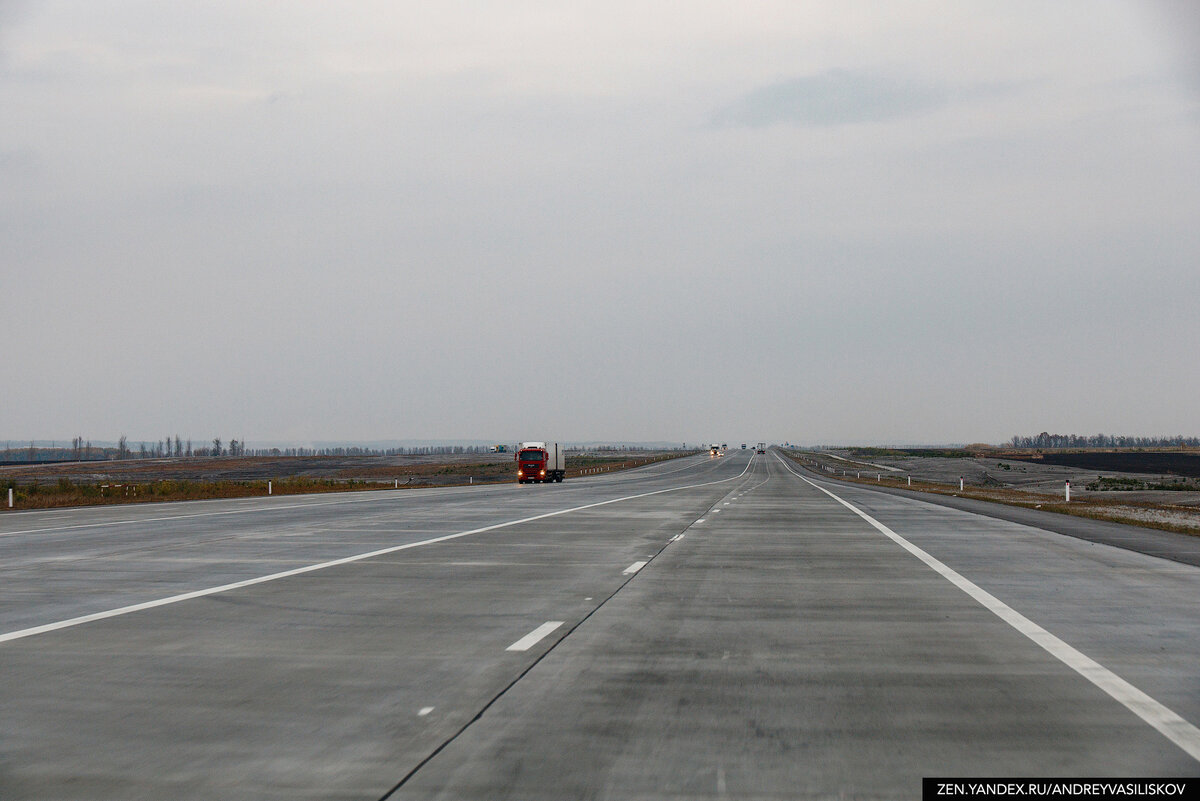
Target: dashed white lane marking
{"x":676,"y":538}
{"x":1168,"y":723}
{"x":187,"y":596}
{"x":635,"y":567}
{"x":701,"y":520}
{"x":532,"y":638}
{"x":425,"y":710}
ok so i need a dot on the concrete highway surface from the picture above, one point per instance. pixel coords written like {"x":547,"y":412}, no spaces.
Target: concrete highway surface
{"x":701,"y":628}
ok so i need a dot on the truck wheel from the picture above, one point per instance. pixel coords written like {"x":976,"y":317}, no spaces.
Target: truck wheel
{"x":558,"y":479}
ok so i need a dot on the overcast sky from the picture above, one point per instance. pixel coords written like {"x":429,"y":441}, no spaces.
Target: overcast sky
{"x":888,"y":222}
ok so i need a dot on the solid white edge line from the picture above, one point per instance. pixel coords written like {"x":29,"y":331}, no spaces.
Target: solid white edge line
{"x":532,"y":638}
{"x":372,"y":495}
{"x":1167,"y":722}
{"x":188,"y":596}
{"x":635,"y":567}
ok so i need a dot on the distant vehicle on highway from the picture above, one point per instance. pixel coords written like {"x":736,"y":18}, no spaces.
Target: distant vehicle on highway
{"x":743,"y":446}
{"x":762,"y":447}
{"x":715,"y":450}
{"x":540,"y":462}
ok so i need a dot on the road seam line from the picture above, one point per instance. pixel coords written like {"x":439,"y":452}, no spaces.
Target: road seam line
{"x":483,"y":710}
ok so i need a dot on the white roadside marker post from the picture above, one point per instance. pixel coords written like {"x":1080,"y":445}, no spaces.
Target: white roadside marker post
{"x":1067,"y":491}
{"x":268,"y":487}
{"x":960,"y":483}
{"x":910,"y":481}
{"x":10,"y":500}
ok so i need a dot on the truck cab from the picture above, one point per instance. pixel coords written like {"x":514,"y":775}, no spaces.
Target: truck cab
{"x":539,"y":462}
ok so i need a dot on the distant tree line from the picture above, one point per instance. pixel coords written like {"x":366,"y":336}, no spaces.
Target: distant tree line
{"x":176,"y":447}
{"x":354,"y":450}
{"x":1047,"y":440}
{"x":81,"y":450}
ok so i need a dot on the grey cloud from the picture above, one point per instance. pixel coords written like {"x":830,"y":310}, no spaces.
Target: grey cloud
{"x":21,"y":162}
{"x":839,"y":97}
{"x":1179,"y":23}
{"x":306,"y":223}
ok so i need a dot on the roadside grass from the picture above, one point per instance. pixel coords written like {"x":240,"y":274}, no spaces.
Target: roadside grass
{"x":1112,"y":510}
{"x":583,"y":465}
{"x":1114,"y":484}
{"x":938,"y":453}
{"x":64,"y":492}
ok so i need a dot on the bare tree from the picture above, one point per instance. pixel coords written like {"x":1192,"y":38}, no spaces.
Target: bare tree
{"x":122,"y":447}
{"x":216,"y":446}
{"x":189,"y":448}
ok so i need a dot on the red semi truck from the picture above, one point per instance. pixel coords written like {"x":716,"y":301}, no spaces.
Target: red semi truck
{"x":540,"y":462}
